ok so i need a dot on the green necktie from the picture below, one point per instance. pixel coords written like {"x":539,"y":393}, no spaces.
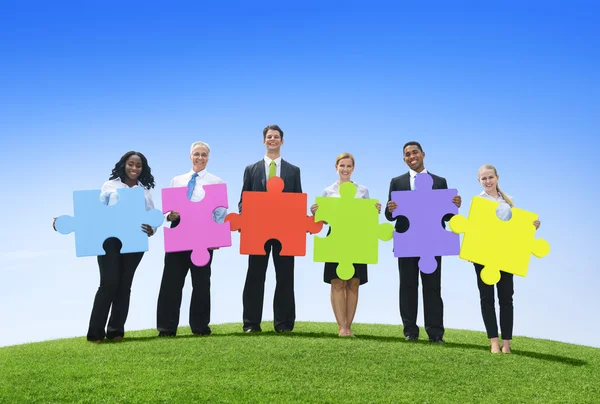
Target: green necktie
{"x":272,"y":170}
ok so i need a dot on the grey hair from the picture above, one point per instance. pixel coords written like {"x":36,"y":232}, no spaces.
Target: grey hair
{"x":196,"y":144}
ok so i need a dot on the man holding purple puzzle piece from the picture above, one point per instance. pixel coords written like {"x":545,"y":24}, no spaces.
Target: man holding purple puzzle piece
{"x":408,"y":267}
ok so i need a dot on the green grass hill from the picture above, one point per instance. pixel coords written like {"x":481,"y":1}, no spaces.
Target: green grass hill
{"x":310,"y":365}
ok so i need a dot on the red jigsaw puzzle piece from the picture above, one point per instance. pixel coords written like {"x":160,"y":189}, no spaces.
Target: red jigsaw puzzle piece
{"x":274,"y":215}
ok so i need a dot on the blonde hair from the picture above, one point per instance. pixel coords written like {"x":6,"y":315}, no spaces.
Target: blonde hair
{"x":344,"y":156}
{"x":504,"y":196}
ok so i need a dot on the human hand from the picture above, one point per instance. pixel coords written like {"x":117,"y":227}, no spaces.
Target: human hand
{"x":146,"y":228}
{"x":314,"y":208}
{"x":391,"y":206}
{"x":172,"y":216}
{"x":378,"y":206}
{"x":457,"y":200}
{"x":536,"y":223}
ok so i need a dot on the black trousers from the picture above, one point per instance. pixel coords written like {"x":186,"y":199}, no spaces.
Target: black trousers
{"x":433,"y":309}
{"x":284,"y":306}
{"x":116,"y":276}
{"x":175,"y":271}
{"x":505,"y":288}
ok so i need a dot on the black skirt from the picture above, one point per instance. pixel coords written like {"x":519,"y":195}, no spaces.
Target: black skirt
{"x":329,"y":273}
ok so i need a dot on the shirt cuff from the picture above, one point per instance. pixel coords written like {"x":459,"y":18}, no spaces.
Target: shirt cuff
{"x":219,"y":215}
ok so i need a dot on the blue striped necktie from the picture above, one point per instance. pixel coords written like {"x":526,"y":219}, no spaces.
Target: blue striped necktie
{"x":191,"y":185}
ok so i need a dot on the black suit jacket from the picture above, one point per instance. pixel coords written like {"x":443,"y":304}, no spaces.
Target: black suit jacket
{"x":402,"y":183}
{"x":255,"y":178}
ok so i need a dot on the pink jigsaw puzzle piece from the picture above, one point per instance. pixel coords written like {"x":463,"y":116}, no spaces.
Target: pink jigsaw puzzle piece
{"x":197,"y":231}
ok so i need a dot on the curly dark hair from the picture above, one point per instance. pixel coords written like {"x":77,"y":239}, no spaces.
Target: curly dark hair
{"x":145,"y":177}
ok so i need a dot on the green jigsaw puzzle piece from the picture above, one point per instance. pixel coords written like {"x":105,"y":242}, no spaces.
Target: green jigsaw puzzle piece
{"x":355,"y":231}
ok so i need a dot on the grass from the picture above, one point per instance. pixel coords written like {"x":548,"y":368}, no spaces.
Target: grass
{"x":310,"y":365}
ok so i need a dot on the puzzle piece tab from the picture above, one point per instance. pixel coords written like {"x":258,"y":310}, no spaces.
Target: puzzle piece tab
{"x":93,"y":222}
{"x":426,"y":237}
{"x":197,"y":231}
{"x":273,"y":215}
{"x":355,"y":231}
{"x":496,"y":244}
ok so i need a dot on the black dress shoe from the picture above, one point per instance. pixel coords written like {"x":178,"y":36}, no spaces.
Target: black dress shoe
{"x":283,"y":330}
{"x":166,"y":334}
{"x":438,"y":340}
{"x":252,"y":330}
{"x":411,"y":337}
{"x":204,"y":332}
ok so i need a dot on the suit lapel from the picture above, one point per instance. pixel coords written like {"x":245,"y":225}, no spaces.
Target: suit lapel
{"x":260,"y":168}
{"x":405,"y":182}
{"x":436,"y":183}
{"x":284,"y":171}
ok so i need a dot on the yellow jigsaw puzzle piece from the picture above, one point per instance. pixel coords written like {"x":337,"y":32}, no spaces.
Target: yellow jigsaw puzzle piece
{"x":496,"y":244}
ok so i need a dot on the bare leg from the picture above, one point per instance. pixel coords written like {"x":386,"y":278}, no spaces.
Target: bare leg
{"x":495,"y":345}
{"x":505,"y":346}
{"x":351,"y":301}
{"x":338,"y":303}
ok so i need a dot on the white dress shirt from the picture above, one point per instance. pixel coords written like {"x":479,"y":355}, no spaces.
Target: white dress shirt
{"x":277,"y":166}
{"x":413,"y":174}
{"x":334,"y":191}
{"x":203,"y":178}
{"x":503,"y":211}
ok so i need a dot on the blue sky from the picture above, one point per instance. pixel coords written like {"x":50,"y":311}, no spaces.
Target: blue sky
{"x":513,"y":85}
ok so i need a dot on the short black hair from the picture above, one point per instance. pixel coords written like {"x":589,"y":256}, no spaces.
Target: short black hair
{"x":145,"y":177}
{"x":412,"y":143}
{"x":272,"y":127}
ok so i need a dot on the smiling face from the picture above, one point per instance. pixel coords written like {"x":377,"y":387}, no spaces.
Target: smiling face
{"x":488,"y":178}
{"x":133,"y":167}
{"x":345,"y":167}
{"x":273,"y":141}
{"x":199,"y":157}
{"x":413,"y":157}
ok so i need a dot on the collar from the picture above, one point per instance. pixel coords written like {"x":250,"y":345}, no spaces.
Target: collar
{"x":337,"y":183}
{"x":139,"y":184}
{"x":486,"y":195}
{"x":413,"y":173}
{"x":201,"y":174}
{"x":277,"y":160}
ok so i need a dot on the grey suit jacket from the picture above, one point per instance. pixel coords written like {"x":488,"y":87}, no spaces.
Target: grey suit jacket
{"x":255,"y":178}
{"x":402,"y":183}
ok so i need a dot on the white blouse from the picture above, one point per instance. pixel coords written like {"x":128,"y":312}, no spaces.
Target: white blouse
{"x":503,"y":211}
{"x":334,"y":191}
{"x":109,"y":194}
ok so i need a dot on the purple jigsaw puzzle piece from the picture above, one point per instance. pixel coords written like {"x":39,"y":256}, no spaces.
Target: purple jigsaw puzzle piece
{"x":426,"y":238}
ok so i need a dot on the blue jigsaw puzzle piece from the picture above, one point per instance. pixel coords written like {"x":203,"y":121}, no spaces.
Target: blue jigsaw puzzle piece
{"x":93,"y":222}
